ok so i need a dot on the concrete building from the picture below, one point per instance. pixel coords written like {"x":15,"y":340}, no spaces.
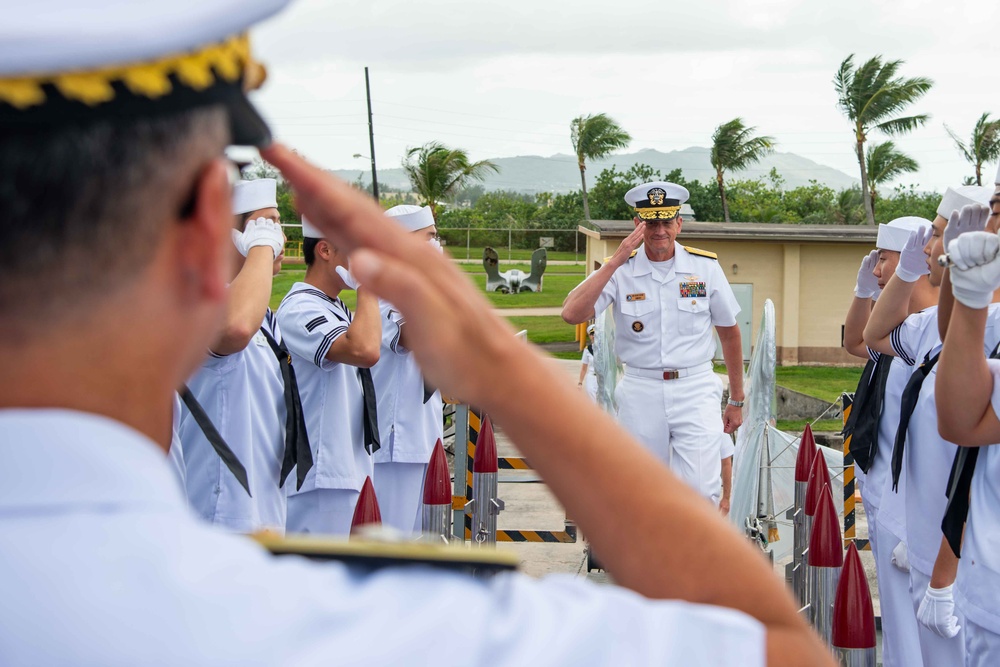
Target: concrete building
{"x":807,"y":271}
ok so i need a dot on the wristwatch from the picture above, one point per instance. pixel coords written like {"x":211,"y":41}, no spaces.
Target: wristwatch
{"x":735,"y":404}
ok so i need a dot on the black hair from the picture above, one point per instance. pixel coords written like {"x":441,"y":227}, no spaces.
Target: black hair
{"x":84,"y":206}
{"x":309,"y":250}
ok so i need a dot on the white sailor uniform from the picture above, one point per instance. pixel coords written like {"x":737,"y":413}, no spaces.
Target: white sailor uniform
{"x":927,"y":462}
{"x":103,"y":541}
{"x":243,"y":395}
{"x":664,"y":313}
{"x":590,"y":377}
{"x":900,"y":642}
{"x":408,"y":426}
{"x":977,"y":588}
{"x":333,"y":404}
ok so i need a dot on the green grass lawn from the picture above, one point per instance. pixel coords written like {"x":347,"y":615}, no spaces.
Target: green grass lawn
{"x":825,"y":382}
{"x":546,"y":329}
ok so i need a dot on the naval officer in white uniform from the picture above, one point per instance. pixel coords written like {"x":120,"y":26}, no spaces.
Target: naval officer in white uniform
{"x":666,"y":300}
{"x":410,"y":414}
{"x":240,"y":385}
{"x":102,"y":562}
{"x":332,"y":351}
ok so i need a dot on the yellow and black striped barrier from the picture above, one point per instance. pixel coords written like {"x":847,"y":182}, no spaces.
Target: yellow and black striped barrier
{"x":463,"y":494}
{"x":850,"y":503}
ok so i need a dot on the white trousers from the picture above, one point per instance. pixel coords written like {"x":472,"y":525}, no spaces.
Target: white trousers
{"x":937,"y":651}
{"x":982,"y":647}
{"x":399,"y":488}
{"x":321,"y":511}
{"x":900,"y":637}
{"x":679,"y":421}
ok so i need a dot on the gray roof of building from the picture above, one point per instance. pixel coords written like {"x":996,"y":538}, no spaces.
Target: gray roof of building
{"x":746,"y":231}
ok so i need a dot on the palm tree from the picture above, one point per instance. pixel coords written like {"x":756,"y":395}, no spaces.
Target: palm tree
{"x":437,"y":172}
{"x":734,"y":148}
{"x":871,"y":97}
{"x":849,"y":207}
{"x":983,"y":146}
{"x":884,"y":162}
{"x":594,"y":137}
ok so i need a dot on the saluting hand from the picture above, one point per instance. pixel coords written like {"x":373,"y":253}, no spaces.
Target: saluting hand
{"x":628,"y":244}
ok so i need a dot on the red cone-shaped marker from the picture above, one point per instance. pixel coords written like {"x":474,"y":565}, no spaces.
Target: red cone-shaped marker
{"x":825,"y":544}
{"x":366,"y":511}
{"x":807,"y":451}
{"x":825,"y":559}
{"x":818,"y":476}
{"x":853,"y":615}
{"x":485,"y":459}
{"x":437,"y":482}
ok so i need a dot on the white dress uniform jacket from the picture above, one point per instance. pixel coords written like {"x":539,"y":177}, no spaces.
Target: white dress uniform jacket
{"x":331,"y":393}
{"x":664,"y":320}
{"x":243,"y":395}
{"x":102,"y":563}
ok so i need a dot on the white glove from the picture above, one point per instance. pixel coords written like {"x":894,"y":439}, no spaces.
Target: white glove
{"x":912,"y":260}
{"x":937,"y":612}
{"x":975,"y":273}
{"x":900,"y":559}
{"x":971,"y":218}
{"x":437,"y":245}
{"x":349,"y":280}
{"x":260,"y":232}
{"x":867,"y":286}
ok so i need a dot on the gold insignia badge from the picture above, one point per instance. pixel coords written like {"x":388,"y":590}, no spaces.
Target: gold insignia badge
{"x":637,"y":326}
{"x":656,"y":196}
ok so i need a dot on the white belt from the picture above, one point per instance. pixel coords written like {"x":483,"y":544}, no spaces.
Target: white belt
{"x":668,"y":373}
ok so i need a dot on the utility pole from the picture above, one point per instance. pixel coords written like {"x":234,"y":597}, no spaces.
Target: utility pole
{"x":371,"y":136}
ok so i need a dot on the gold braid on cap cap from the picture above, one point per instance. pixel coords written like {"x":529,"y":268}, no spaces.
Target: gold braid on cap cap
{"x":198,"y":70}
{"x":658,"y":213}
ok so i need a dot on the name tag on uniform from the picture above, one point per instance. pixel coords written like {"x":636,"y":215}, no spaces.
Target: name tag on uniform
{"x":693,"y":289}
{"x":636,"y":297}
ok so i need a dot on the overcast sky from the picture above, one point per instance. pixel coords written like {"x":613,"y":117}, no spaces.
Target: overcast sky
{"x":506,"y":78}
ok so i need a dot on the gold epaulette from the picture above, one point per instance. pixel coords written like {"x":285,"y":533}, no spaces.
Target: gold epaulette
{"x":701,"y":253}
{"x":607,"y":259}
{"x":375,"y":555}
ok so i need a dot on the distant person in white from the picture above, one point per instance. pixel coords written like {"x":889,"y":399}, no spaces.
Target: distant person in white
{"x":410,"y":412}
{"x":329,"y":345}
{"x":588,"y":373}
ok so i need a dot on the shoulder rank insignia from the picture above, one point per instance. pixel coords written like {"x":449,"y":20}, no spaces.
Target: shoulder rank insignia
{"x":634,"y":252}
{"x":701,"y":253}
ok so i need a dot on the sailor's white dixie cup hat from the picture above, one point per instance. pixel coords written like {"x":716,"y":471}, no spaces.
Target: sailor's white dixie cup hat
{"x":894,"y":235}
{"x":412,"y":218}
{"x":658,"y":200}
{"x":255,"y":195}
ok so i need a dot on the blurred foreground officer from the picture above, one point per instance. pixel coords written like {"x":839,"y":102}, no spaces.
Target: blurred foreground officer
{"x":240,"y":386}
{"x":332,"y":351}
{"x":410,"y":413}
{"x":968,"y":402}
{"x":97,"y":537}
{"x":667,"y":298}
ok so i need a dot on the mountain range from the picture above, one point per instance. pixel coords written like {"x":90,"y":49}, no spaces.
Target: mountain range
{"x":559,"y":173}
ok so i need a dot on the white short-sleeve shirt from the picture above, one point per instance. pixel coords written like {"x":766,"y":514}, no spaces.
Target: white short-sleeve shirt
{"x":977,"y":588}
{"x":103,"y":564}
{"x":664,"y":319}
{"x":243,"y":395}
{"x":408,"y":426}
{"x":332,"y":398}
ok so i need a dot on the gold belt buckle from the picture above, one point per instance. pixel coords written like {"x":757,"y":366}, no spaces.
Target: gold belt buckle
{"x":671,"y":375}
